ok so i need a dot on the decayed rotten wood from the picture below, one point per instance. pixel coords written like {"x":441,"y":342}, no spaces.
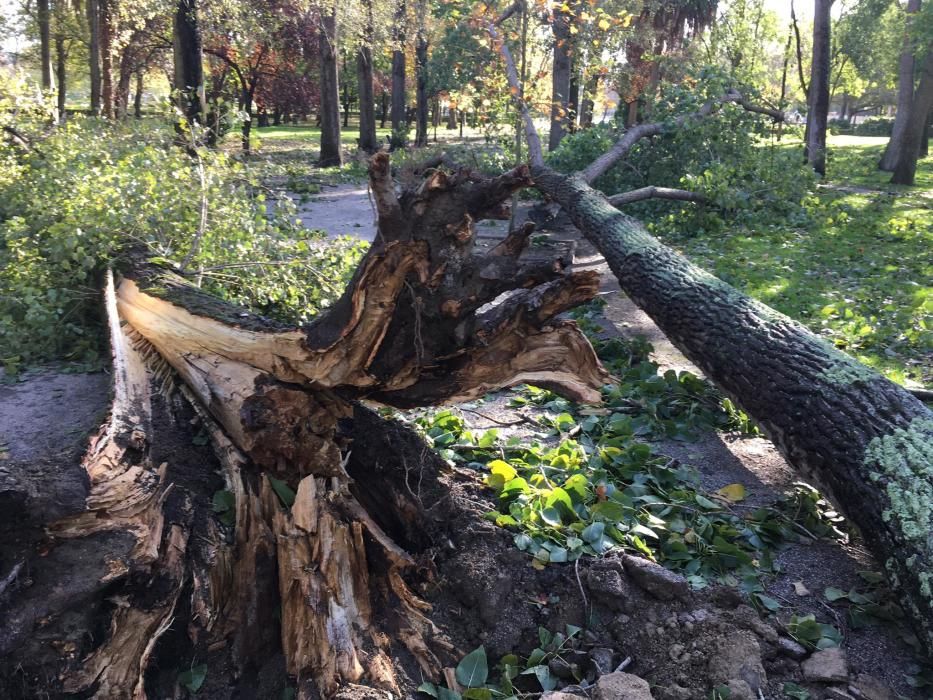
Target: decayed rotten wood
{"x":416,"y":326}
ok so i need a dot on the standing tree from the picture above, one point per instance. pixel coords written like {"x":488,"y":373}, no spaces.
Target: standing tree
{"x":421,"y":77}
{"x":331,"y":151}
{"x":189,"y":71}
{"x":905,"y":167}
{"x":364,"y":76}
{"x":399,"y":101}
{"x":905,"y":90}
{"x":560,"y":20}
{"x":818,"y":113}
{"x":92,"y":8}
{"x":43,"y":17}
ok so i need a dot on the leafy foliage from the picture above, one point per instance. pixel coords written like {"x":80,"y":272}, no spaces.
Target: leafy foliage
{"x":88,"y":193}
{"x":725,"y":158}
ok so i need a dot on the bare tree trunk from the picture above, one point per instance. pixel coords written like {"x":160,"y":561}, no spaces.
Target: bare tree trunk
{"x":385,"y":109}
{"x":93,"y":22}
{"x":421,"y":93}
{"x":364,"y":77}
{"x":61,"y":68}
{"x":925,"y":139}
{"x":589,"y":100}
{"x":43,"y":18}
{"x":107,"y":8}
{"x":138,"y":97}
{"x":819,"y":87}
{"x":188,"y":73}
{"x":331,"y":151}
{"x":905,"y":92}
{"x":573,"y":100}
{"x":122,"y":94}
{"x":399,"y":121}
{"x":906,"y":166}
{"x":560,"y":77}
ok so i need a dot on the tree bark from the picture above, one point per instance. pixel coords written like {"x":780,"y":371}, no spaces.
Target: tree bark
{"x":106,"y":56}
{"x":906,"y":166}
{"x":43,"y":18}
{"x":364,"y":76}
{"x":905,"y":92}
{"x":588,"y":103}
{"x":819,"y":87}
{"x":421,"y":92}
{"x":863,"y":439}
{"x":331,"y":151}
{"x":304,"y":567}
{"x":61,"y":68}
{"x":188,"y":68}
{"x":560,"y":78}
{"x":138,"y":97}
{"x":93,"y":22}
{"x":399,"y":137}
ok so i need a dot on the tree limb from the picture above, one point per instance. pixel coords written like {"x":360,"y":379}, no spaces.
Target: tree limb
{"x":652,"y":192}
{"x":637,"y":133}
{"x":535,"y":154}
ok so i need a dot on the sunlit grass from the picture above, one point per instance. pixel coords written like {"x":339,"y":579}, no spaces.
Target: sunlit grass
{"x":860,"y":273}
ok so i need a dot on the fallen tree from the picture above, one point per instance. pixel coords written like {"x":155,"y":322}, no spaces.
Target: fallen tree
{"x":863,"y":439}
{"x":305,"y":568}
{"x":295,"y":534}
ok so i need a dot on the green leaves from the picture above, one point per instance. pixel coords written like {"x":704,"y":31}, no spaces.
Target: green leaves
{"x":193,"y":678}
{"x":813,"y":634}
{"x":472,"y":671}
{"x":283,"y":491}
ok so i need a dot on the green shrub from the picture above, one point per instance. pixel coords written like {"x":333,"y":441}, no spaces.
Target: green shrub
{"x":874,"y":126}
{"x":91,"y":190}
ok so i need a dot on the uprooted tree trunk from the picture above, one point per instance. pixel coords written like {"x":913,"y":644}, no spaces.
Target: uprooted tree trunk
{"x":865,"y":440}
{"x":307,"y":564}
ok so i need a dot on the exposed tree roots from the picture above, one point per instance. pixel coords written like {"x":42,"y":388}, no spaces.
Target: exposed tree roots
{"x":299,"y":560}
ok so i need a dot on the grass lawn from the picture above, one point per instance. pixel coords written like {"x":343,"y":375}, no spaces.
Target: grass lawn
{"x":860,"y":272}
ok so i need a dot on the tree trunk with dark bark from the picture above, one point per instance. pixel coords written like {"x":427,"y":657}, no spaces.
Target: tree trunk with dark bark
{"x":44,"y":20}
{"x":93,"y":22}
{"x":107,"y":8}
{"x":560,"y":78}
{"x":281,"y":544}
{"x":188,"y":69}
{"x":399,"y":136}
{"x":819,"y":87}
{"x":421,"y":91}
{"x":905,"y":168}
{"x":61,"y":70}
{"x":866,"y":441}
{"x":905,"y":92}
{"x":364,"y":78}
{"x":588,"y":104}
{"x":331,"y":151}
{"x":138,"y":97}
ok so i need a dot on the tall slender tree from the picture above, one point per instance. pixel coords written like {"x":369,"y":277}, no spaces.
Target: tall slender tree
{"x":905,"y":91}
{"x":421,"y":77}
{"x":560,"y":76}
{"x":399,"y":101}
{"x":331,"y":152}
{"x":364,"y":76}
{"x":189,"y":71}
{"x":92,"y":8}
{"x":44,"y":15}
{"x":818,"y":113}
{"x":107,"y":8}
{"x":905,"y":168}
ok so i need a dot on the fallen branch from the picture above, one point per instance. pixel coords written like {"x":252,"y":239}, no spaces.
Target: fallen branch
{"x":632,"y":136}
{"x":652,"y":192}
